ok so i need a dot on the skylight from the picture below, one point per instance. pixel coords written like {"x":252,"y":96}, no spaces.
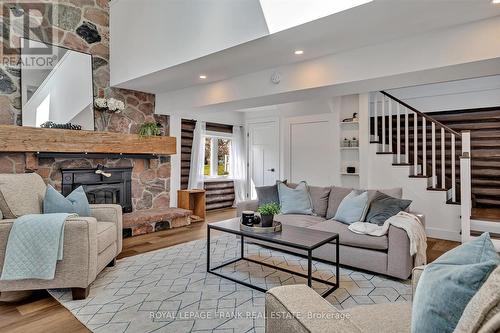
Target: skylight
{"x":284,"y":14}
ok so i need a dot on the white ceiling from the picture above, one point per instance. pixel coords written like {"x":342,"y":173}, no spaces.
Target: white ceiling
{"x":368,"y":24}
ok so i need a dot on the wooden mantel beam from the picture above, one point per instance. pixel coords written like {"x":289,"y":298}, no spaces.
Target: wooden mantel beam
{"x":17,"y":139}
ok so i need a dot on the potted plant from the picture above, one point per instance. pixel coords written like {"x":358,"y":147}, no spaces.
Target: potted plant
{"x":267,"y":213}
{"x":149,"y":129}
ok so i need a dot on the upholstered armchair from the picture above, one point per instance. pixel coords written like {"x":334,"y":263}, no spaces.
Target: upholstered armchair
{"x":90,"y":243}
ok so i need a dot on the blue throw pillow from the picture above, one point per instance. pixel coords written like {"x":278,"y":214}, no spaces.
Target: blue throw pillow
{"x":295,"y":200}
{"x":448,"y":284}
{"x":75,"y":202}
{"x":353,"y":207}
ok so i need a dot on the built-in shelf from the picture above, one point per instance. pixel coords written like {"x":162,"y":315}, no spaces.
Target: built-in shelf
{"x":349,"y":148}
{"x":349,"y":122}
{"x":349,"y":174}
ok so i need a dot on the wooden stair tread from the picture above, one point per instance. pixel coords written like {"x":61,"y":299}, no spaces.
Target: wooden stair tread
{"x":437,"y":189}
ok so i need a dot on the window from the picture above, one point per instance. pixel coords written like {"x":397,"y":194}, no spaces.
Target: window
{"x":217,"y":156}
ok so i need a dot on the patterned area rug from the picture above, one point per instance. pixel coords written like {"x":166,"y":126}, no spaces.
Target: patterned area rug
{"x":169,"y":290}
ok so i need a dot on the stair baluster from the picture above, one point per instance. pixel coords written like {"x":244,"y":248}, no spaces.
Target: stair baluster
{"x":390,"y":103}
{"x":443,"y":162}
{"x":415,"y":143}
{"x":398,"y":128}
{"x":383,"y":123}
{"x":433,"y":174}
{"x":407,"y":143}
{"x":453,"y":170}
{"x":424,"y":147}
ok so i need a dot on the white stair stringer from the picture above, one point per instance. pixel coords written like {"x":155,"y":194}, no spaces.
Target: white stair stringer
{"x":441,"y":219}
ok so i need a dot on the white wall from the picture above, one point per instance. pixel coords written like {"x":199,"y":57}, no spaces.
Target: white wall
{"x":464,"y":51}
{"x":149,"y":37}
{"x":454,"y":95}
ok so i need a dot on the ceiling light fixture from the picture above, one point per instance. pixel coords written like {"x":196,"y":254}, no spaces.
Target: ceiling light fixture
{"x":203,"y":77}
{"x":299,"y":52}
{"x":495,"y":1}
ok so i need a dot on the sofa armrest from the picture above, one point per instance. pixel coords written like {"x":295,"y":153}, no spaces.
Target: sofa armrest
{"x":399,"y":261}
{"x":246,"y":205}
{"x":110,"y":213}
{"x":79,"y":265}
{"x":298,"y":308}
{"x":415,"y":277}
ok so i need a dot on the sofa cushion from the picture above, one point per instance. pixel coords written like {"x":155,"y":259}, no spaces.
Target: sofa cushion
{"x":337,"y":194}
{"x":384,"y":206}
{"x":319,"y":198}
{"x":349,"y":238}
{"x":295,"y":200}
{"x":483,"y":305}
{"x":106,"y":235}
{"x":353,"y":207}
{"x":387,"y":318}
{"x":298,"y":220}
{"x":21,"y":194}
{"x":450,"y":282}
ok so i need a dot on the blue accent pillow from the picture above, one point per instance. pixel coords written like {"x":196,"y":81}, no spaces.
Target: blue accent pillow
{"x":75,"y":202}
{"x":353,"y":207}
{"x":447,"y":285}
{"x":383,"y":206}
{"x":295,"y":200}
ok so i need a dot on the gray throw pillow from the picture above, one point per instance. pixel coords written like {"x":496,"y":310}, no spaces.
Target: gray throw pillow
{"x":295,"y":201}
{"x":268,"y":194}
{"x":337,"y":194}
{"x":75,"y":202}
{"x":319,"y":198}
{"x":383,"y":206}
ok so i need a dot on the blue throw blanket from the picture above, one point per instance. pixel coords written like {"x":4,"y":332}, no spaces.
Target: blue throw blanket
{"x":35,"y":245}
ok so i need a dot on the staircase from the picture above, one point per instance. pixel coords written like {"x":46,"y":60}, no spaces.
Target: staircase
{"x":484,"y":125}
{"x":433,"y":151}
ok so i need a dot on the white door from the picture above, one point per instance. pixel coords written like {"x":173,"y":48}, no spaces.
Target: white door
{"x":263,"y":149}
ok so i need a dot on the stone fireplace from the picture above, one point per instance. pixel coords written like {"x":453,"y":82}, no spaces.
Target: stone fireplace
{"x":102,"y":185}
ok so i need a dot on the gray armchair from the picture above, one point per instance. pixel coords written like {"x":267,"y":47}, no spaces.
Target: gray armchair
{"x":90,"y":243}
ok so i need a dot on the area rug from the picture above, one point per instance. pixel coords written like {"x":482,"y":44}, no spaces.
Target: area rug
{"x":169,"y":290}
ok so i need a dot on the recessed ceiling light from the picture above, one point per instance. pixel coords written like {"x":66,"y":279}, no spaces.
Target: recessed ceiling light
{"x":299,"y":52}
{"x":203,"y":77}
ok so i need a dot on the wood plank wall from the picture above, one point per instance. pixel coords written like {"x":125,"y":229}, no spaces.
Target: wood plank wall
{"x":220,"y":194}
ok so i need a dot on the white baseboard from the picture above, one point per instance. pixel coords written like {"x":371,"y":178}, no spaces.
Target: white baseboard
{"x":443,"y":234}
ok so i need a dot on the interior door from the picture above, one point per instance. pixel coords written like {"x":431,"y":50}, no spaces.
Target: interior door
{"x":263,"y":142}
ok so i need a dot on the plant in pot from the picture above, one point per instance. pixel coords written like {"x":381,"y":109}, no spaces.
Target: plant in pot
{"x":267,"y":212}
{"x":149,"y":129}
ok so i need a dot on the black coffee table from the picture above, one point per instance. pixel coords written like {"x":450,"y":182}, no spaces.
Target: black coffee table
{"x":293,"y":237}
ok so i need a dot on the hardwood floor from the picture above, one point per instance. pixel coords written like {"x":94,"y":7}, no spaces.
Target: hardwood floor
{"x":41,"y":313}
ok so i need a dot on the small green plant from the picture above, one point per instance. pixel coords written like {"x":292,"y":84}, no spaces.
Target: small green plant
{"x":149,"y":129}
{"x":269,"y":209}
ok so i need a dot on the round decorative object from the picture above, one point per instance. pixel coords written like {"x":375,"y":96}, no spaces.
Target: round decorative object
{"x":259,"y":229}
{"x":276,"y":78}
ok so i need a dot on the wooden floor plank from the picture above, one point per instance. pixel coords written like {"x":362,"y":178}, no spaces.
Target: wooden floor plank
{"x":41,"y":313}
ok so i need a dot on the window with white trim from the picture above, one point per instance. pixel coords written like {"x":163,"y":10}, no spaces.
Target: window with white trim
{"x":217,"y":155}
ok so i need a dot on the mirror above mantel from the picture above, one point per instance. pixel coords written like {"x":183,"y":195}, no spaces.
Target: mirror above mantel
{"x":56,"y":85}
